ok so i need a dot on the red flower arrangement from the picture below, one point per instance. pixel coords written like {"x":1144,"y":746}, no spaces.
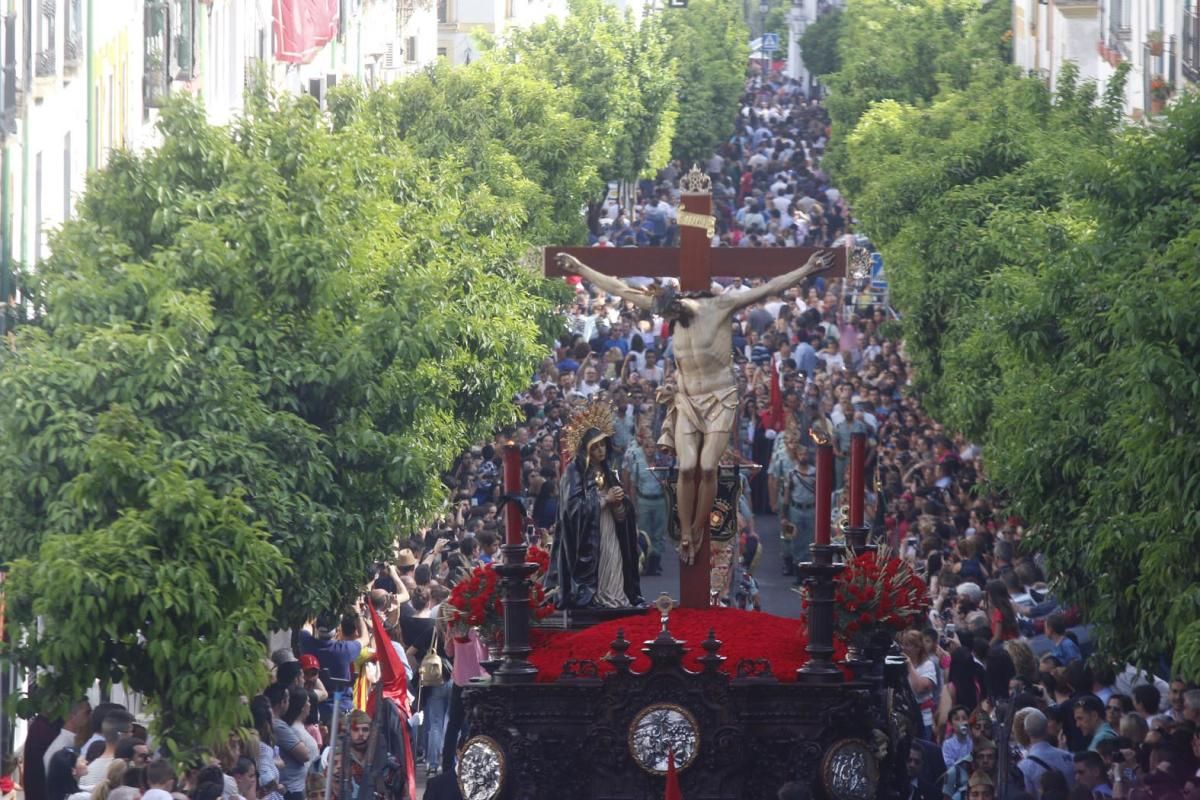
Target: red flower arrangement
{"x":877,"y":592}
{"x":478,"y":604}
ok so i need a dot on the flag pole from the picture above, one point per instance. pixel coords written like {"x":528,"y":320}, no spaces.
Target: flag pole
{"x":333,"y":742}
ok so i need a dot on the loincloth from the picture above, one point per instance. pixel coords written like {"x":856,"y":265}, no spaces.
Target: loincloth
{"x":705,"y":413}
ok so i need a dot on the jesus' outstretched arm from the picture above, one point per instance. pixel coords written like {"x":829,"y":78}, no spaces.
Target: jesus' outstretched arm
{"x":780,"y":283}
{"x":639,"y":298}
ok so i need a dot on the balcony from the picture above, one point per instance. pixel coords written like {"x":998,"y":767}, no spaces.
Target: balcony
{"x":1190,"y":51}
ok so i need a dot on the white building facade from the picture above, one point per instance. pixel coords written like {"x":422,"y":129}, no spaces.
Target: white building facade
{"x":459,"y":19}
{"x":1159,"y":39}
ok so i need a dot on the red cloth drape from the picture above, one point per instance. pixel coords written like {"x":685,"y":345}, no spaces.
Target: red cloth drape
{"x":303,"y":27}
{"x":778,"y":417}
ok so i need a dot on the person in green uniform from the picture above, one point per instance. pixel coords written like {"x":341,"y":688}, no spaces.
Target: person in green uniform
{"x":782,"y":463}
{"x":801,"y":497}
{"x":648,"y":497}
{"x":851,"y":424}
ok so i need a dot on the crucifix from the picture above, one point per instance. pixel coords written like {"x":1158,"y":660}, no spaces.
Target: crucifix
{"x":703,"y":401}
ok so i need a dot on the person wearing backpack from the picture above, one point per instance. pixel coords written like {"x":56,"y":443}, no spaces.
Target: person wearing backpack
{"x":1042,"y":756}
{"x":434,"y":697}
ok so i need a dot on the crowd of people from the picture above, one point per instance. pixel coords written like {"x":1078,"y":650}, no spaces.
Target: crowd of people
{"x":997,"y":667}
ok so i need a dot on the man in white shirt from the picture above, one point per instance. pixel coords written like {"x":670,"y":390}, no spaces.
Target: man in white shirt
{"x":78,"y":720}
{"x":590,"y":383}
{"x":117,"y":724}
{"x":652,"y":371}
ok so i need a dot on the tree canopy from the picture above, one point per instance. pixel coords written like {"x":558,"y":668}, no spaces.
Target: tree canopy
{"x":545,"y":157}
{"x":616,"y":72}
{"x":709,"y":43}
{"x":908,"y":52}
{"x":819,"y":43}
{"x":1043,"y":258}
{"x":262,"y":346}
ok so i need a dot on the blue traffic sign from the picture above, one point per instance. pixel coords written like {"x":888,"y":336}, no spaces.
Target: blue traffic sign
{"x":770,"y":42}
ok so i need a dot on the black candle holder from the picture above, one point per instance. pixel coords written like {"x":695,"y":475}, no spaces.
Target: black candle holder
{"x":856,"y":540}
{"x":818,"y":575}
{"x":515,"y":573}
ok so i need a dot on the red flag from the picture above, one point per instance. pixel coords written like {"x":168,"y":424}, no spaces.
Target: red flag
{"x":394,"y":683}
{"x":673,"y":790}
{"x":778,"y":419}
{"x":391,"y":671}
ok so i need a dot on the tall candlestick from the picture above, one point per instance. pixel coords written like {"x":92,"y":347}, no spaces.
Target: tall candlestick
{"x":824,"y":492}
{"x":858,"y":468}
{"x":512,"y":487}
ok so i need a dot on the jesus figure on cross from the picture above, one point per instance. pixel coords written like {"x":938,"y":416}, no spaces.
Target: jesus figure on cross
{"x":703,"y":401}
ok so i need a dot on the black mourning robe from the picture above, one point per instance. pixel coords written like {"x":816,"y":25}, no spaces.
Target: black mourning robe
{"x":575,"y":559}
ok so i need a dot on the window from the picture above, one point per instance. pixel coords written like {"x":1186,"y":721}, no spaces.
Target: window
{"x":443,"y":10}
{"x":8,"y":75}
{"x":73,"y":35}
{"x":156,"y":52}
{"x":441,"y":52}
{"x":1119,"y":12}
{"x":410,"y":49}
{"x":46,"y":65}
{"x":183,"y":39}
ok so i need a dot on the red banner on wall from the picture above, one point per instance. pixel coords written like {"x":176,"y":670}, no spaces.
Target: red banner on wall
{"x":303,"y":27}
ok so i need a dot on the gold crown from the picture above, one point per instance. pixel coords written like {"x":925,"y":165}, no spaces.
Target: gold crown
{"x":696,"y":182}
{"x":596,"y":415}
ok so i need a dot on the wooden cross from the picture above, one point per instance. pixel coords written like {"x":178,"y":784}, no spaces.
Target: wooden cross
{"x":695,"y":262}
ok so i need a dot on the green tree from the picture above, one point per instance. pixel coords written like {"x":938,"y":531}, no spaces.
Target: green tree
{"x":819,"y":43}
{"x":908,"y":52}
{"x":619,"y":75}
{"x":1044,"y":262}
{"x":710,"y":44}
{"x":537,"y":150}
{"x":262,"y":346}
{"x":1094,"y":427}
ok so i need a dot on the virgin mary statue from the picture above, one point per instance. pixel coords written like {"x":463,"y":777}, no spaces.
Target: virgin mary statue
{"x":594,"y":561}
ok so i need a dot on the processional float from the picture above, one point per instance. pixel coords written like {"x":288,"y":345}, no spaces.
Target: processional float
{"x":609,"y":725}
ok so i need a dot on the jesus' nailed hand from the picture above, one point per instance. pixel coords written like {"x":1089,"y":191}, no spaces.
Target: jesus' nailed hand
{"x":698,"y":425}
